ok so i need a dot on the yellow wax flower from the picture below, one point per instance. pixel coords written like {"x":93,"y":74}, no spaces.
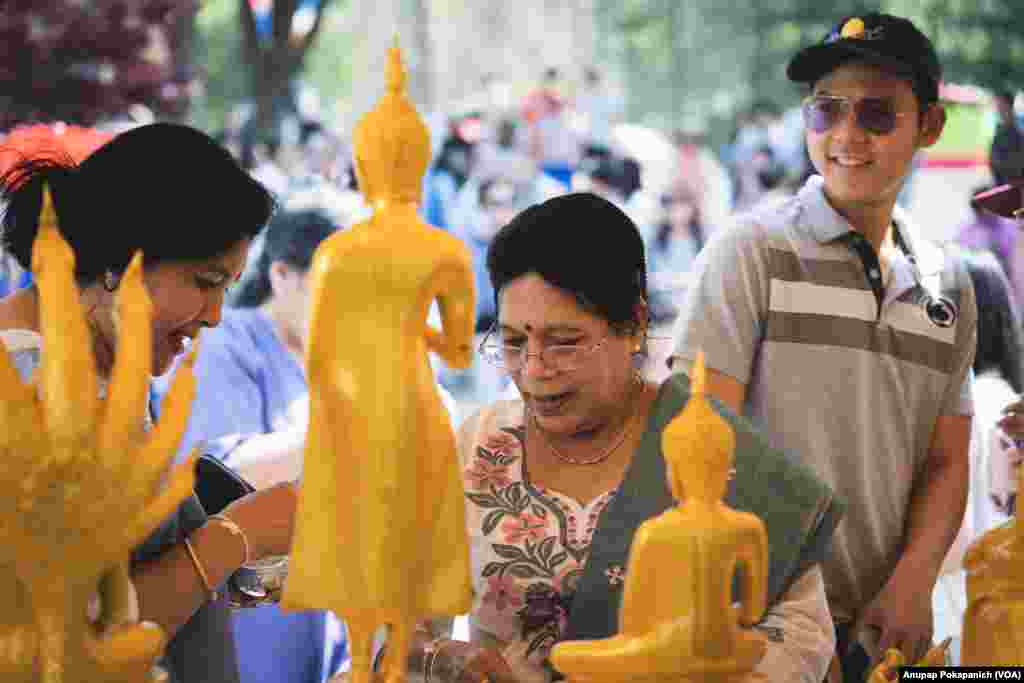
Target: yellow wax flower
{"x":81,"y":485}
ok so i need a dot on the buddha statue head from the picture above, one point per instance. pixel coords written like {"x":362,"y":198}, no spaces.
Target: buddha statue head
{"x":392,"y":144}
{"x":698,"y":445}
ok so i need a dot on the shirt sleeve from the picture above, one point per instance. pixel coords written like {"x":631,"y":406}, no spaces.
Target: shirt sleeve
{"x":724,"y":306}
{"x":801,"y":639}
{"x":228,"y":407}
{"x":958,"y":399}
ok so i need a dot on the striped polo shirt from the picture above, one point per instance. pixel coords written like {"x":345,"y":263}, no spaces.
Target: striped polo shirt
{"x":850,"y":382}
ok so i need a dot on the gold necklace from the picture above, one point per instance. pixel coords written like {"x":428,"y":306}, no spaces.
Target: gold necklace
{"x":601,"y":457}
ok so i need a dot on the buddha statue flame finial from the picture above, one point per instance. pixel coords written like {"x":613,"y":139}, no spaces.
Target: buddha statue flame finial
{"x":698,"y":438}
{"x":392,"y":143}
{"x":396,"y":71}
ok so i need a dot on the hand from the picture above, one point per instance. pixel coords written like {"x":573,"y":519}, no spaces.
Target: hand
{"x":268,"y":518}
{"x":461,"y":662}
{"x":268,"y":459}
{"x":901,"y":614}
{"x":1012,"y":421}
{"x":1003,"y":467}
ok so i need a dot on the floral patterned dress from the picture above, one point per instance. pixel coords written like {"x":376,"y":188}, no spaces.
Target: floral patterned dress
{"x":528,"y":544}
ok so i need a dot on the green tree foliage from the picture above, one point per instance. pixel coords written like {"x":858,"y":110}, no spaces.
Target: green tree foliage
{"x":708,"y":58}
{"x":86,"y":62}
{"x":239,"y":68}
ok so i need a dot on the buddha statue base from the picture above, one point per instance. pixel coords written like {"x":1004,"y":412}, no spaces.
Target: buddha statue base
{"x":660,"y":656}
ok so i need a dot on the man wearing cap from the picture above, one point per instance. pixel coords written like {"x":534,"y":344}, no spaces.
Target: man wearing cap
{"x":848,"y":338}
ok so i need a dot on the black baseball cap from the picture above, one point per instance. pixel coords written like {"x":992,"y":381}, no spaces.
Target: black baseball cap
{"x":889,"y":41}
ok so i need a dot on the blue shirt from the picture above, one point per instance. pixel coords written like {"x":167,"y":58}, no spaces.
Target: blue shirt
{"x":248,"y":383}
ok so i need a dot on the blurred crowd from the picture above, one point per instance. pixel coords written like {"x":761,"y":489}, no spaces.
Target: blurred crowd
{"x":494,"y":155}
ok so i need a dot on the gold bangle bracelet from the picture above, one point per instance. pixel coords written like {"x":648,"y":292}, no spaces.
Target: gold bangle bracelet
{"x":429,"y":655}
{"x":435,"y":647}
{"x":235,"y":530}
{"x":200,"y":570}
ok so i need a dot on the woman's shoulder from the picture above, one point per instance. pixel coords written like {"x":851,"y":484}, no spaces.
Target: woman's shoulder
{"x":500,"y":414}
{"x":495,"y":421}
{"x":25,"y":348}
{"x":18,"y":340}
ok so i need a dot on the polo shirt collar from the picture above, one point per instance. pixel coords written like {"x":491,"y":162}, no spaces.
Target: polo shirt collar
{"x":820,"y":220}
{"x":824,"y":224}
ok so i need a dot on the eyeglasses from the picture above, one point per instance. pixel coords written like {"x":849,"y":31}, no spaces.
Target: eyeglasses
{"x":558,"y":357}
{"x":876,"y":115}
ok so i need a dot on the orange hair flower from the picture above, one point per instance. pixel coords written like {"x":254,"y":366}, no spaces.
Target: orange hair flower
{"x":49,"y":141}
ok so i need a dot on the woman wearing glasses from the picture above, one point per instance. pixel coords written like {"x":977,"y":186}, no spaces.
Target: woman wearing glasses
{"x":542,"y":474}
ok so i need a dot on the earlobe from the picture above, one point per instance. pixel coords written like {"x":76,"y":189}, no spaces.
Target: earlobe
{"x":934,"y":122}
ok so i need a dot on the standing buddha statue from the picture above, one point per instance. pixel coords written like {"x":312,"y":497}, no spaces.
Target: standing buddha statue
{"x":677,"y":621}
{"x":380,"y":534}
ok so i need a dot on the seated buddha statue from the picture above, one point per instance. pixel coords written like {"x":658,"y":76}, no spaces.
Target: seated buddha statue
{"x":380,"y":535}
{"x":993,"y":633}
{"x":678,"y":620}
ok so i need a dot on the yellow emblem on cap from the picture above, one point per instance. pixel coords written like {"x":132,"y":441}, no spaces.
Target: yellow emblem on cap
{"x":853,"y":28}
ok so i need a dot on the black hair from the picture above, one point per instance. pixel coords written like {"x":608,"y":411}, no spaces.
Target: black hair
{"x":582,"y":244}
{"x":166,"y":189}
{"x":1000,"y":337}
{"x":292,"y":238}
{"x":455,"y":157}
{"x":663,"y":234}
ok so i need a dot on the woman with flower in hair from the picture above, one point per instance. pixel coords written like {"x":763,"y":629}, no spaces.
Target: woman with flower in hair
{"x":112,"y":203}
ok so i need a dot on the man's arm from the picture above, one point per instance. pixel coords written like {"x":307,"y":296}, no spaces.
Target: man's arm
{"x":725,"y":388}
{"x":937,"y":500}
{"x":723,"y":311}
{"x":902,"y":611}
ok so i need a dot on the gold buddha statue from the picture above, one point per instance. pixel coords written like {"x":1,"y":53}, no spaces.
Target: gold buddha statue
{"x":993,"y":632}
{"x":678,"y":621}
{"x":82,"y":484}
{"x":380,"y":534}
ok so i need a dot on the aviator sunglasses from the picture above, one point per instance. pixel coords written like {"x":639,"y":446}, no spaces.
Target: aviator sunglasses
{"x":876,"y":115}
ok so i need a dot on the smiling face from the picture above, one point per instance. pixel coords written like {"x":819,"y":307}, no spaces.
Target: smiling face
{"x":862,"y":168}
{"x":538,"y":315}
{"x":186,"y":296}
